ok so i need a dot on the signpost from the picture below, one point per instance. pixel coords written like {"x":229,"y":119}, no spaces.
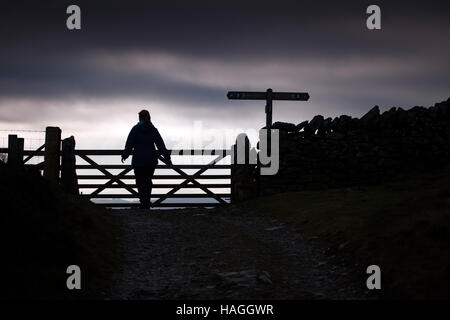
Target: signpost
{"x":269,"y":96}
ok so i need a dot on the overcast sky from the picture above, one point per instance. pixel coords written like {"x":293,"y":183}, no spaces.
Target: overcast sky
{"x":179,"y":58}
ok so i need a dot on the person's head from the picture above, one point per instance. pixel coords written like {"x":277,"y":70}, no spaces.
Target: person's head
{"x":144,"y":116}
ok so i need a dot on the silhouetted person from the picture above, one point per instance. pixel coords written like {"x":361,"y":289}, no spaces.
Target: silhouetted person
{"x":141,"y":143}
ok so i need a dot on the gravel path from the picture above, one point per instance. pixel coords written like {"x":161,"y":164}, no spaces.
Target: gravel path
{"x":224,"y":254}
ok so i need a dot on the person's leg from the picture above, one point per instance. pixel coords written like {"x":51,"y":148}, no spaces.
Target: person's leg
{"x":140,"y":175}
{"x":151,"y":171}
{"x":147,"y":189}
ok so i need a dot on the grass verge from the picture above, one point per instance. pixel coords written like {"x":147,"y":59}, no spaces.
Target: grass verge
{"x":43,"y":230}
{"x":402,"y":226}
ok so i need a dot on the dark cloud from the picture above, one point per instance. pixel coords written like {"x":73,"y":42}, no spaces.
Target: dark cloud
{"x":189,"y":53}
{"x":228,"y":29}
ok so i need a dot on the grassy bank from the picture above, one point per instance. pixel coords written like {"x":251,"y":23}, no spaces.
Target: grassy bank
{"x":43,"y":230}
{"x":403,"y":226}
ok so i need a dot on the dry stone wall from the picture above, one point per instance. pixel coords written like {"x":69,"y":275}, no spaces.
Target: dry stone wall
{"x":345,"y":151}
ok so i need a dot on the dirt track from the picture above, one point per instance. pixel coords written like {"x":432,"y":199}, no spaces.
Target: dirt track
{"x":201,"y":254}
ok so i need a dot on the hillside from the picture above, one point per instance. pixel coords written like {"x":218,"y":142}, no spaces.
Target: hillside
{"x":43,"y":230}
{"x":402,"y":226}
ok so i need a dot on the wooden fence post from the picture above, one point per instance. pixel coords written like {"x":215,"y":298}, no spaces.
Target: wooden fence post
{"x":242,"y":174}
{"x":52,"y":153}
{"x":68,"y":171}
{"x":20,"y":146}
{"x":12,"y":149}
{"x":15,"y":150}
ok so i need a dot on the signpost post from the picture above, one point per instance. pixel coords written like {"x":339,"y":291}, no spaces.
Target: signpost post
{"x":269,"y":96}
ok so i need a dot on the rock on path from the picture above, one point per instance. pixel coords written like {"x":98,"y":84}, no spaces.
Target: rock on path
{"x":224,"y":254}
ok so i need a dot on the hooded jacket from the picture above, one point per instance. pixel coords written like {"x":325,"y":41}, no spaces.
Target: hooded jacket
{"x":141,"y":143}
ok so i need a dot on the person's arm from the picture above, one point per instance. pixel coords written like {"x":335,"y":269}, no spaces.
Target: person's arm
{"x":129,"y":145}
{"x":161,"y":146}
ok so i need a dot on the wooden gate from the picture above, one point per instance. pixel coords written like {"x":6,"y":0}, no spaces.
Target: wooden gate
{"x":189,"y":181}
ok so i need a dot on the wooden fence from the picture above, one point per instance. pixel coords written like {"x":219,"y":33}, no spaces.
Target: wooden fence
{"x":96,"y":186}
